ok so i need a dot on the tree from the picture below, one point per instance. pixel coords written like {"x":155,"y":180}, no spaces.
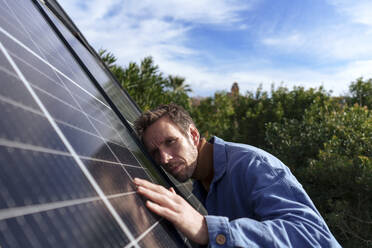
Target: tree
{"x":177,"y":84}
{"x":361,"y":92}
{"x":178,"y":91}
{"x":146,"y":84}
{"x":213,"y":115}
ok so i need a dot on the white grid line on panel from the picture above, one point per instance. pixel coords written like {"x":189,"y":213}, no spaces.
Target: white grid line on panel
{"x":6,"y":20}
{"x":199,"y":206}
{"x":26,"y":108}
{"x":20,"y":105}
{"x":57,"y":84}
{"x":12,"y":102}
{"x":33,"y":209}
{"x":29,"y":147}
{"x":50,"y":65}
{"x":37,"y":87}
{"x":36,"y":69}
{"x":42,"y":54}
{"x":69,"y":147}
{"x":111,"y":162}
{"x":183,"y":184}
{"x":21,"y":24}
{"x":143,"y":234}
{"x":122,"y":139}
{"x":41,"y":49}
{"x":54,"y":97}
{"x":98,"y":132}
{"x":100,"y":136}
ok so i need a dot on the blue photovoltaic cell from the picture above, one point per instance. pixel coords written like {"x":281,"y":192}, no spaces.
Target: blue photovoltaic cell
{"x":112,"y":178}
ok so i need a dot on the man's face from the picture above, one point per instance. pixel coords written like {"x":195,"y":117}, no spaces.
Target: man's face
{"x":170,"y":148}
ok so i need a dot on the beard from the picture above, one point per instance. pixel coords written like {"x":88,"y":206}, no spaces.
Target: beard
{"x":180,"y":169}
{"x":185,"y":173}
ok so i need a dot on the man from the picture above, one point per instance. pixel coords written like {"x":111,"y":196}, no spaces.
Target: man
{"x":252,"y":198}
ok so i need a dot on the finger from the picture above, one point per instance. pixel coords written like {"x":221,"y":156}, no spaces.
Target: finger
{"x":149,"y":185}
{"x":161,"y":210}
{"x":171,"y":189}
{"x":159,"y":198}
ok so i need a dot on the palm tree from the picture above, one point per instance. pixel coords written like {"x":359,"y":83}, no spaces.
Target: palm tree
{"x":176,"y":84}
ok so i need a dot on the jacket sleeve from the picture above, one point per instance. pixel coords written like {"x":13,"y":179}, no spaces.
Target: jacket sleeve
{"x":284,"y":215}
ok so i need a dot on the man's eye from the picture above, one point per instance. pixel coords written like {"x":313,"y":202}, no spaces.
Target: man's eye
{"x":170,"y":141}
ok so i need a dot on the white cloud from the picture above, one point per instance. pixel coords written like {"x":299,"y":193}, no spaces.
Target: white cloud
{"x":289,"y":40}
{"x":348,"y":39}
{"x":358,"y":11}
{"x":338,"y":79}
{"x":133,"y":30}
{"x":207,"y":82}
{"x":202,"y":11}
{"x":325,"y":43}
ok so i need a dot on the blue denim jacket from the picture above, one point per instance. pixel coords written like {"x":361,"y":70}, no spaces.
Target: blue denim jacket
{"x":255,"y":201}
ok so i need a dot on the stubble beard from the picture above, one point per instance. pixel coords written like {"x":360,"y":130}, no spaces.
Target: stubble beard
{"x":185,"y":173}
{"x":188,"y":169}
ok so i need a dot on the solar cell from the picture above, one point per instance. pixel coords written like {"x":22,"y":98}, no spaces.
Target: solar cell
{"x":67,"y":152}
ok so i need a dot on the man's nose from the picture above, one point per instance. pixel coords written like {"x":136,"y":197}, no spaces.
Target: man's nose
{"x":165,"y":156}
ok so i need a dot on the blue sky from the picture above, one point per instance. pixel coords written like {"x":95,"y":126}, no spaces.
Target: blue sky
{"x":213,"y":43}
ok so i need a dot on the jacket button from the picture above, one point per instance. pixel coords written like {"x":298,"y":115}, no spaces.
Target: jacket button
{"x":221,"y":239}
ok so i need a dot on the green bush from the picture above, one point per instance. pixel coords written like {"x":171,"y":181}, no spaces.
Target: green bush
{"x":361,"y":92}
{"x":330,"y":152}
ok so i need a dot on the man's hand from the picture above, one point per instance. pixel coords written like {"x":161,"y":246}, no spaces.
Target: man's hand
{"x":167,"y":204}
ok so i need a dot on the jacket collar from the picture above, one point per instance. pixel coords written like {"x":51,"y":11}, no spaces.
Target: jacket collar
{"x":219,"y":167}
{"x":219,"y":158}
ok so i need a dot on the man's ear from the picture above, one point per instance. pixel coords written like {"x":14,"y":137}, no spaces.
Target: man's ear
{"x":194,"y":133}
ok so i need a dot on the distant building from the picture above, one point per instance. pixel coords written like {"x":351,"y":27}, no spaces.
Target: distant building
{"x":235,"y":89}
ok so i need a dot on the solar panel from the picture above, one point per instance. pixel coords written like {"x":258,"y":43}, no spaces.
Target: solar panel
{"x":67,"y":150}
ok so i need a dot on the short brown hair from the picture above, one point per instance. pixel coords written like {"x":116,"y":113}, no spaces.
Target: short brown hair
{"x":176,"y":113}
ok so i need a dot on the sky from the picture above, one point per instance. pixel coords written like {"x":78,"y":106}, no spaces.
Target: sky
{"x":214,"y":43}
